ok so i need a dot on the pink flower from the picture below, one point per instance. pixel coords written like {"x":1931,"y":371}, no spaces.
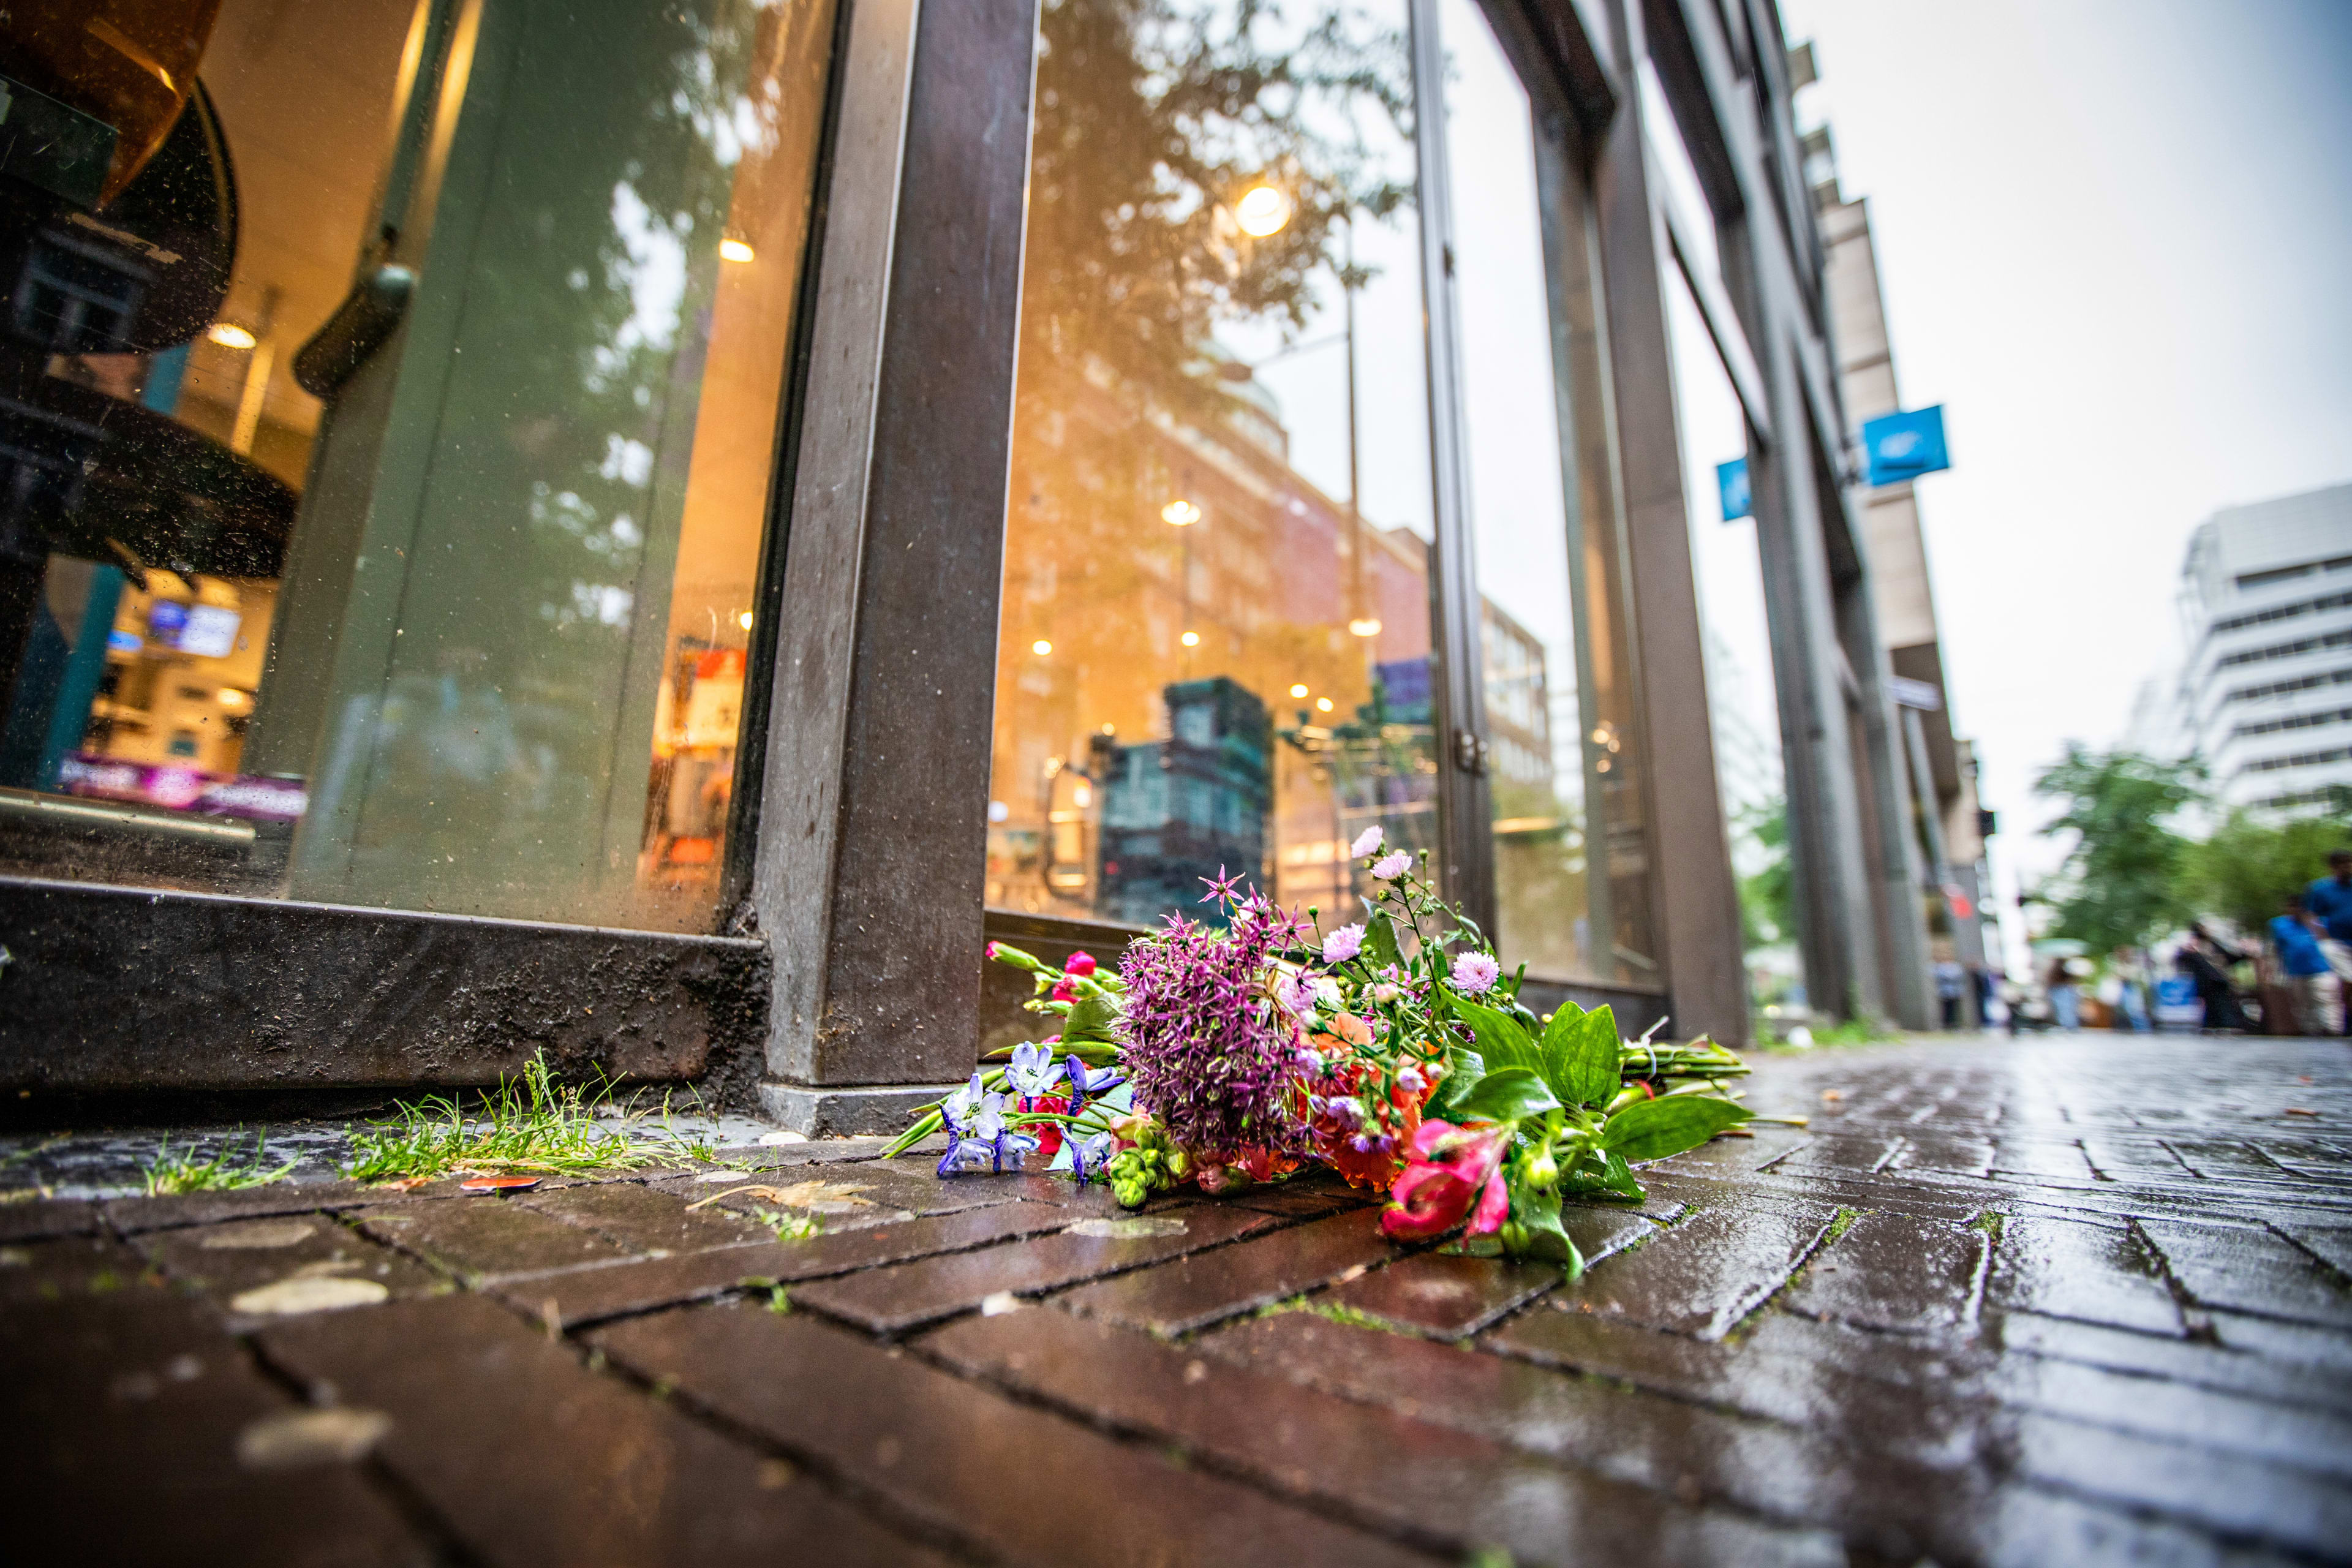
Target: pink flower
{"x":1343,"y":945}
{"x":1453,"y":1173}
{"x":1366,"y":842}
{"x":1476,"y":972}
{"x":1064,"y":992}
{"x":1082,"y":964}
{"x":1391,"y":865}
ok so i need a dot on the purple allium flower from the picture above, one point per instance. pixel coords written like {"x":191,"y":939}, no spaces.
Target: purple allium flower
{"x":1366,"y":842}
{"x":1343,"y":945}
{"x":1394,"y":864}
{"x":1476,"y":972}
{"x":1207,"y":1051}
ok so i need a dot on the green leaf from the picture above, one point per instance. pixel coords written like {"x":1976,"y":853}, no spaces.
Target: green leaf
{"x":1380,"y":946}
{"x":1506,"y":1094}
{"x":1540,"y":1212}
{"x":1600,"y":1171}
{"x":1500,"y":1039}
{"x":1580,"y":1051}
{"x":1465,"y":1067}
{"x":1091,"y":1017}
{"x":1655,"y":1129}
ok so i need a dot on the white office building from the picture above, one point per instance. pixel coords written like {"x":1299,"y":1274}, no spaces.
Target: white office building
{"x":2266,"y":693}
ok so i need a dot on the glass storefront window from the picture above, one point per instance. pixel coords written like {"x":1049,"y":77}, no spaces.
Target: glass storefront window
{"x":1215,"y":646}
{"x":1562,"y":751}
{"x":387,"y":428}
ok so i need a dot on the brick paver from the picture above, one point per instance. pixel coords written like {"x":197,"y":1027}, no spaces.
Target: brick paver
{"x":2057,"y":1302}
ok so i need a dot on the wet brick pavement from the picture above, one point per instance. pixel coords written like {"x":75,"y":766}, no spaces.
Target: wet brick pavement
{"x":2063,"y":1302}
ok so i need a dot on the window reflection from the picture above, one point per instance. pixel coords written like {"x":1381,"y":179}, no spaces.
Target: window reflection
{"x":1215,"y":647}
{"x":416,"y":562}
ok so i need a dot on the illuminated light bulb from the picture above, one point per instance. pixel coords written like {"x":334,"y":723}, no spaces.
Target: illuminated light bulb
{"x":230,"y":335}
{"x":1323,"y":703}
{"x":1299,"y":690}
{"x":1041,"y":647}
{"x":734,"y":249}
{"x":744,"y":620}
{"x":1365,"y":626}
{"x":1182,"y":513}
{"x":1191,"y":639}
{"x":1263,"y":210}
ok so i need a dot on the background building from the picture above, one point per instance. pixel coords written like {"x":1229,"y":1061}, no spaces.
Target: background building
{"x":2265,"y":690}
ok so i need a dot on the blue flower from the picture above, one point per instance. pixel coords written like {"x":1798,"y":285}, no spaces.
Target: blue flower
{"x":974,"y":1116}
{"x":1033,"y":1069}
{"x":1102,"y":1080}
{"x":1091,"y":1154}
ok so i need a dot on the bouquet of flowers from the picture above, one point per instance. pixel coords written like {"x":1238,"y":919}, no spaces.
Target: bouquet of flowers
{"x":1393,"y":1051}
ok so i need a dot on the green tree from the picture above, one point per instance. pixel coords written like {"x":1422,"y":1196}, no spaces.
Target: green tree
{"x":2123,"y":882}
{"x":2249,"y":865}
{"x":1768,"y":896}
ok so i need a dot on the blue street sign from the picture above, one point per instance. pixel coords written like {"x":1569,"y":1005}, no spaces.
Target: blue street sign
{"x":1905,"y":445}
{"x":1731,"y":479}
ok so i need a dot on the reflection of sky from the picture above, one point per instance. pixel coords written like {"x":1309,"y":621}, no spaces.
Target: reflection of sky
{"x":1311,"y":387}
{"x":1519,"y":517}
{"x":1723,"y":554}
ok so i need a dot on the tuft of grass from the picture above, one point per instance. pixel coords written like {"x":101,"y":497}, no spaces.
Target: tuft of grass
{"x":1840,"y":1224}
{"x":175,"y":1172}
{"x":790,"y":1226}
{"x":527,"y":1125}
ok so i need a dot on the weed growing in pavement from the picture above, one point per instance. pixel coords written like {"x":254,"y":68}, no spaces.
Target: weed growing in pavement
{"x":790,"y":1226}
{"x":174,"y":1173}
{"x":532,"y":1125}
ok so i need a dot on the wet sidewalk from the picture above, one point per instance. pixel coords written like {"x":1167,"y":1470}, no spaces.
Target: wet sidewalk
{"x":2062,"y":1301}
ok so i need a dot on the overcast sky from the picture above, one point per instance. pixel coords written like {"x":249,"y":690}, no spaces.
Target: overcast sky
{"x":2116,"y":240}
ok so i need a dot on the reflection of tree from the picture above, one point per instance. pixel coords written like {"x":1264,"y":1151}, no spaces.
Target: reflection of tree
{"x":561,"y":448}
{"x":1767,"y":895}
{"x":1152,"y":117}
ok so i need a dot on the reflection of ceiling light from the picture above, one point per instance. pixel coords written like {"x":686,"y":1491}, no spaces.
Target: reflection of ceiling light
{"x":1323,"y":703}
{"x":230,"y":335}
{"x":1299,"y":690}
{"x":734,"y":249}
{"x":1263,"y":210}
{"x":1191,"y":639}
{"x":1110,"y":729}
{"x":231,"y":698}
{"x":744,"y":620}
{"x":1365,"y":626}
{"x":1082,"y":798}
{"x":1183,"y":513}
{"x":1041,"y":647}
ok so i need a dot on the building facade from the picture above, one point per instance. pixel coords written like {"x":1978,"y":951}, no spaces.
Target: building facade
{"x":2264,"y":694}
{"x":662,"y":587}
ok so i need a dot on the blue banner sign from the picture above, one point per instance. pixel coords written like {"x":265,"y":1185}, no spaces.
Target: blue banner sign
{"x":1731,"y":479}
{"x":1904,"y":445}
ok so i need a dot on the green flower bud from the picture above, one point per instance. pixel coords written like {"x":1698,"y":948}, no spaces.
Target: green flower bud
{"x":1542,"y":1170}
{"x":1515,"y":1237}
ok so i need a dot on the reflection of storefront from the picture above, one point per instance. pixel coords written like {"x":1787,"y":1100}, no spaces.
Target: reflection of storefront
{"x":437,"y":523}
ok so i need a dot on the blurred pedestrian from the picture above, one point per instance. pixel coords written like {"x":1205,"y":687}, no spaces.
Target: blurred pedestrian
{"x":2130,"y":978}
{"x":1951,"y":985}
{"x":2330,"y":898}
{"x":2294,"y":937}
{"x":2065,"y":998}
{"x":2206,"y":960}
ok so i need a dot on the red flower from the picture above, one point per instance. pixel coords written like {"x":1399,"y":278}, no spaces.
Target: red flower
{"x":1082,"y":964}
{"x":1064,"y":992}
{"x":1454,"y":1173}
{"x":1047,"y":1133}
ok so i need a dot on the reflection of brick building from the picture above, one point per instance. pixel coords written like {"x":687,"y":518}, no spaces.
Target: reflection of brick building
{"x":1109,"y":610}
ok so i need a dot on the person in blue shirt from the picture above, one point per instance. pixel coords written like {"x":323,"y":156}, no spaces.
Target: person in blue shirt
{"x":2294,"y":935}
{"x":2330,"y":898}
